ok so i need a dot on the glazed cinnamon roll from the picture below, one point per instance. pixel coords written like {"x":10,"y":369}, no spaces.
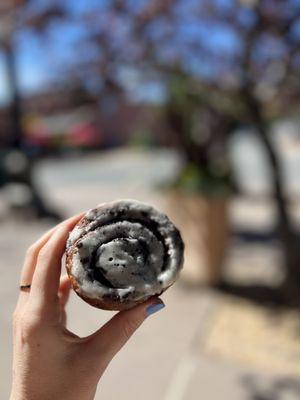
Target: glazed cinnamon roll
{"x":121,"y":253}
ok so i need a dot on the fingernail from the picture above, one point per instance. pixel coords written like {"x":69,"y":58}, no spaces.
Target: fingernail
{"x":153,"y":308}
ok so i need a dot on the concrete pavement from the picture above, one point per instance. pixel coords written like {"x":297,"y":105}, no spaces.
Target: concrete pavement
{"x":184,"y":352}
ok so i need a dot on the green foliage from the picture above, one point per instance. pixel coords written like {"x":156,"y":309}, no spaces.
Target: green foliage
{"x":142,"y":138}
{"x":212,"y":182}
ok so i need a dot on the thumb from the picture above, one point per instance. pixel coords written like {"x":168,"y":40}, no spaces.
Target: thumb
{"x":108,"y":340}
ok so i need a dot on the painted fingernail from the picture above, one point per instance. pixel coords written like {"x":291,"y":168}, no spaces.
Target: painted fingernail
{"x":154,"y":308}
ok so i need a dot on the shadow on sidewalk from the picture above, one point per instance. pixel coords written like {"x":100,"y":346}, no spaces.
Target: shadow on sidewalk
{"x":261,"y":294}
{"x":276,"y":389}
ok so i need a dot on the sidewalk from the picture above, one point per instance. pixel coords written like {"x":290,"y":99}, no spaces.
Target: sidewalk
{"x":203,"y":345}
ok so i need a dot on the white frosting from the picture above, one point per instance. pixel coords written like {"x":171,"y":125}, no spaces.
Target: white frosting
{"x":118,"y":254}
{"x":75,"y":234}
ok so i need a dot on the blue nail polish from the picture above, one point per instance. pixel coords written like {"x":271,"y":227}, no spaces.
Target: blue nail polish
{"x":154,"y":308}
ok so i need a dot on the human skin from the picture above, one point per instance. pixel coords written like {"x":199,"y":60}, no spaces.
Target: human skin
{"x":49,"y":361}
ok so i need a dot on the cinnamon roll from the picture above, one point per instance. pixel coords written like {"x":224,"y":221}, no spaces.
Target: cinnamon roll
{"x":121,"y":253}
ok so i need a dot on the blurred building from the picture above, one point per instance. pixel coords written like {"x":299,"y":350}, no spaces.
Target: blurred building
{"x":70,"y":117}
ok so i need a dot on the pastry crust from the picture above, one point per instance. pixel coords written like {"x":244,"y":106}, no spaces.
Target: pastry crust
{"x":125,"y":228}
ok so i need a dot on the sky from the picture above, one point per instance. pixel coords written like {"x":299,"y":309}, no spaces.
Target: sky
{"x":39,"y":62}
{"x":35,"y":60}
{"x":32,"y":72}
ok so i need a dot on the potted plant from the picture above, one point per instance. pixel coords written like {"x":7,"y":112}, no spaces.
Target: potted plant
{"x":198,"y":198}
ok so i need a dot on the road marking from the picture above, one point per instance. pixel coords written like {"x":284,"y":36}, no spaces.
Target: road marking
{"x":181,"y":378}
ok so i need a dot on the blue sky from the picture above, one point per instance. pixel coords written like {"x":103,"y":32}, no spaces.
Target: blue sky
{"x":34,"y":60}
{"x":31,"y":71}
{"x":3,"y":85}
{"x":38,"y":62}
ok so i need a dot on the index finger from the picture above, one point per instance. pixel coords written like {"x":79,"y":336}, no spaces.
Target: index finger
{"x":31,"y":260}
{"x":45,"y":282}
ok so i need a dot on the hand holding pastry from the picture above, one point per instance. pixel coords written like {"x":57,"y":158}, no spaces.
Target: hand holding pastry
{"x":49,"y":361}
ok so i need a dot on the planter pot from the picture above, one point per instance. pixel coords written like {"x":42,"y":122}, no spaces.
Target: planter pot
{"x":203,"y":223}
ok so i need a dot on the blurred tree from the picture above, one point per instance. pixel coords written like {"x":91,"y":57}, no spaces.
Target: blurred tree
{"x":240,"y":57}
{"x":263,"y":78}
{"x":14,"y":19}
{"x":201,"y":131}
{"x":7,"y":22}
{"x":15,"y":164}
{"x":269,"y":85}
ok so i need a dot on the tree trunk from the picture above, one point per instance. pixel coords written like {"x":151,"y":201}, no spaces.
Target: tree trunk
{"x":291,"y":285}
{"x":15,"y":98}
{"x":16,"y":135}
